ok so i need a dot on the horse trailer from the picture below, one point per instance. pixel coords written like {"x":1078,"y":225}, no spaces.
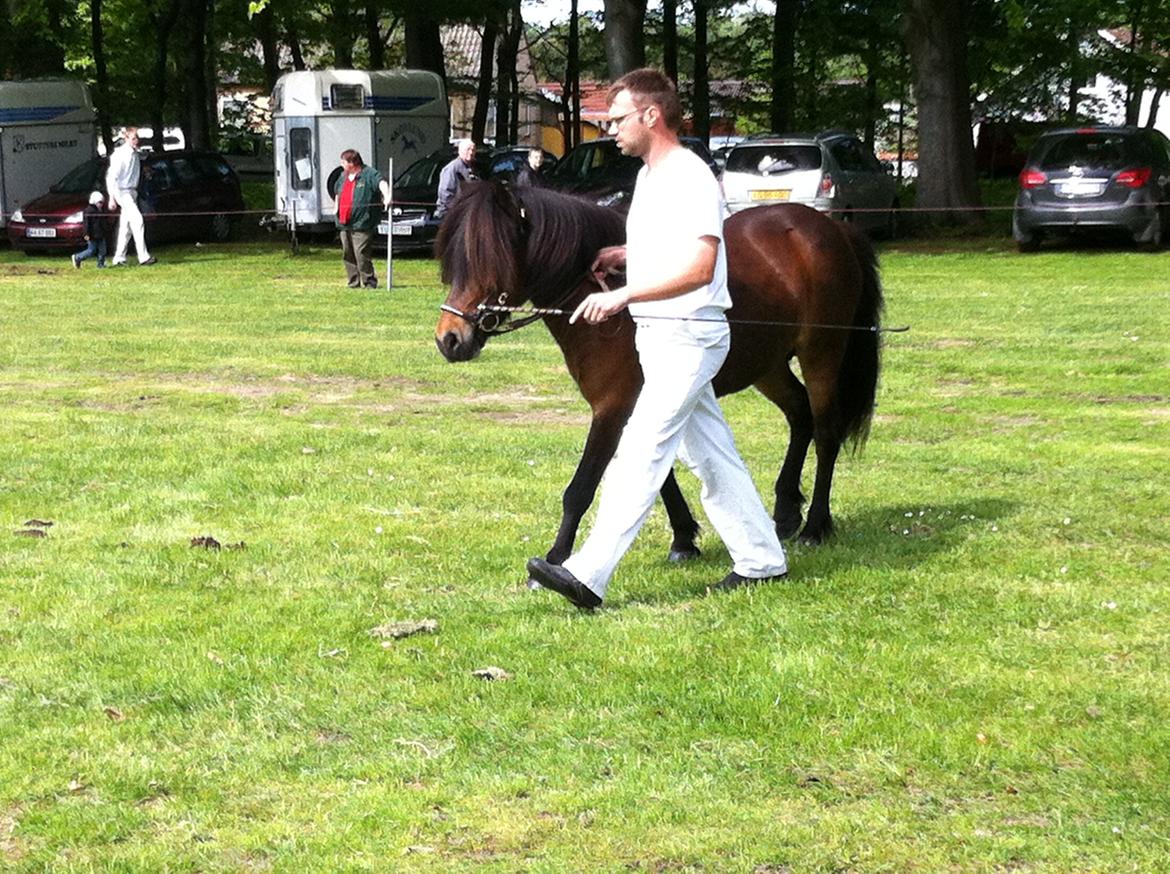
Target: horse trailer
{"x":47,"y":127}
{"x":316,"y":115}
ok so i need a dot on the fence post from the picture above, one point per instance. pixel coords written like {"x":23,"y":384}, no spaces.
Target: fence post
{"x":390,"y":227}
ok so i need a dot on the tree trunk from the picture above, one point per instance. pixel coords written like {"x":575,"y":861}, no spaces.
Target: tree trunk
{"x":625,"y":39}
{"x":266,"y":35}
{"x":872,"y":65}
{"x":424,"y":47}
{"x":1134,"y":83}
{"x":1155,"y":101}
{"x":163,"y":20}
{"x":506,"y":74}
{"x":701,"y":100}
{"x":101,"y":76}
{"x":194,"y":72}
{"x":292,"y":38}
{"x":572,"y":89}
{"x":670,"y":39}
{"x":54,"y":59}
{"x":374,"y":37}
{"x":784,"y":65}
{"x":1074,"y":70}
{"x":483,"y":91}
{"x":341,"y":33}
{"x":937,"y":39}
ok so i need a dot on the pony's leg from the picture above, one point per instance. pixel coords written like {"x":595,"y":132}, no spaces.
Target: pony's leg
{"x":783,"y":389}
{"x":683,"y":526}
{"x":600,"y":445}
{"x":826,"y":433}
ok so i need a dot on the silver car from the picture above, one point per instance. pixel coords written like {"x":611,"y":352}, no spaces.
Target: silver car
{"x":832,"y":172}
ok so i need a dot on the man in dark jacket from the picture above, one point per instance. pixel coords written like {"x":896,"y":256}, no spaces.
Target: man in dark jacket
{"x":356,"y":191}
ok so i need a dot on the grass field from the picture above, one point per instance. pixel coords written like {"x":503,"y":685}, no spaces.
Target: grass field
{"x":971,"y":677}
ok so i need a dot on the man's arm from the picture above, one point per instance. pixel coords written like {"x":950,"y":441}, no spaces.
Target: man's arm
{"x":696,"y":270}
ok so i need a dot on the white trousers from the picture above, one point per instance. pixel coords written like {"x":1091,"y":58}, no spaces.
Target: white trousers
{"x":677,"y":415}
{"x":129,"y":223}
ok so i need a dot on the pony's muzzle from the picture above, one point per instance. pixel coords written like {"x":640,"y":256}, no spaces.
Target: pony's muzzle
{"x":457,"y":338}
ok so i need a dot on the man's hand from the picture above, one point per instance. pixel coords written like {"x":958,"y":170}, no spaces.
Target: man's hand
{"x":610,"y":260}
{"x":600,"y":306}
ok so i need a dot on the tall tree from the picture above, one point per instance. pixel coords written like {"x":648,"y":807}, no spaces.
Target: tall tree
{"x":162,"y":15}
{"x":670,"y":39}
{"x":483,"y":90}
{"x":783,"y":104}
{"x":424,"y":46}
{"x":264,"y":24}
{"x":506,"y":73}
{"x":625,"y":43}
{"x":196,"y":122}
{"x":701,"y":99}
{"x":101,"y":75}
{"x":936,"y":37}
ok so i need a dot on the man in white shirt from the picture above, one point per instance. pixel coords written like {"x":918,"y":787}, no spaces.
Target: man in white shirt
{"x":122,"y":180}
{"x":676,"y":274}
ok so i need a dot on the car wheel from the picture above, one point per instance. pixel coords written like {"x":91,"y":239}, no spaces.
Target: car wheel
{"x":1155,"y":236}
{"x":1030,"y":243}
{"x":221,"y":228}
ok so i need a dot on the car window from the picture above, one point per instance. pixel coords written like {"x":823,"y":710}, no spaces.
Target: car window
{"x":847,"y":154}
{"x":159,"y":176}
{"x":185,"y":173}
{"x":422,"y":172}
{"x":86,"y":177}
{"x":763,"y":160}
{"x":1092,"y":149}
{"x":212,"y":168}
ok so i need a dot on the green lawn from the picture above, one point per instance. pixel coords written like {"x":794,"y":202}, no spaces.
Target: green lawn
{"x":971,"y":677}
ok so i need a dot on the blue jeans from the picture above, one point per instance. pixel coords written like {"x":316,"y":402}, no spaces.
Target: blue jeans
{"x":93,"y":247}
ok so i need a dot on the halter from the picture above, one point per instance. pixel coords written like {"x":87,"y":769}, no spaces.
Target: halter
{"x":490,"y":320}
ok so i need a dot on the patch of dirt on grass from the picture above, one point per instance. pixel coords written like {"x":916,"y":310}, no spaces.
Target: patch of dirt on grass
{"x":951,"y":343}
{"x":11,"y":849}
{"x":1010,"y":423}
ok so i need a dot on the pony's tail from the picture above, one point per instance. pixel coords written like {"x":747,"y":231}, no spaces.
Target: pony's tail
{"x":857,"y":385}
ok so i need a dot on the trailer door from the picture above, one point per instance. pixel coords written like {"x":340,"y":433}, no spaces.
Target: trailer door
{"x":302,"y":183}
{"x":338,"y":133}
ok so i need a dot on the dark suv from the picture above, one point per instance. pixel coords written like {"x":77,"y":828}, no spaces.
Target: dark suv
{"x":598,"y":170}
{"x":186,"y":194}
{"x":1095,"y":177}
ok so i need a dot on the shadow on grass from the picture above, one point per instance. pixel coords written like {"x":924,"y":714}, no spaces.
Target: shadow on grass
{"x":894,"y":537}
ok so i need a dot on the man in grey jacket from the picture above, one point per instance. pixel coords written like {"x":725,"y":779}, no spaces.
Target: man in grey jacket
{"x":461,"y":169}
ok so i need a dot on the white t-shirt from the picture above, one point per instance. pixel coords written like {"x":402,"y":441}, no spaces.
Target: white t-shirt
{"x":674,"y":205}
{"x":124,"y":169}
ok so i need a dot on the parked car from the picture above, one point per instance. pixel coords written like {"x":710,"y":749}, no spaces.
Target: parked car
{"x":599,"y":170}
{"x":832,"y":171}
{"x":505,"y":162}
{"x":183,"y":195}
{"x":1115,"y":178}
{"x":413,"y":225}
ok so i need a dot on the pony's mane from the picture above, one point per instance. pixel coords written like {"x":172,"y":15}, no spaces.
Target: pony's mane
{"x":530,"y":240}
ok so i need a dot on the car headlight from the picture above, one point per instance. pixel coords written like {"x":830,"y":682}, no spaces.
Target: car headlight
{"x":18,"y":216}
{"x":74,"y":218}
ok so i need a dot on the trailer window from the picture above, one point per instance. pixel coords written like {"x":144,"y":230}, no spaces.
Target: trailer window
{"x":300,"y":157}
{"x":347,"y":97}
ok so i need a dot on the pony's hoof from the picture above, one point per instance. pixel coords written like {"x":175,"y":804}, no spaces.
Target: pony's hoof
{"x":677,"y":555}
{"x":786,"y":528}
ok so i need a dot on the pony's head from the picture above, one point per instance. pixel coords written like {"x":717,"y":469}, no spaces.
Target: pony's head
{"x":480,"y":246}
{"x":504,"y":246}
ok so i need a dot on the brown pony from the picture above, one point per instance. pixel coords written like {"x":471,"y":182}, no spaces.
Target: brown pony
{"x":802,"y":286}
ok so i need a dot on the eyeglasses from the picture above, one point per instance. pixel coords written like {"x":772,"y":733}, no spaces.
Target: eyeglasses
{"x":614,"y":124}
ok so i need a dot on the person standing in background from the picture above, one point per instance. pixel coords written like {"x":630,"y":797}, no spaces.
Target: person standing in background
{"x":122,"y":181}
{"x":356,"y":190}
{"x":460,"y":169}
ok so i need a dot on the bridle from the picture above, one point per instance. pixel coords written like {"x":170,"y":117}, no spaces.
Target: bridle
{"x":491,"y":321}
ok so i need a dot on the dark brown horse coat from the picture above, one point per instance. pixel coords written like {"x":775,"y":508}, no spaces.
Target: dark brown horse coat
{"x":802,"y":286}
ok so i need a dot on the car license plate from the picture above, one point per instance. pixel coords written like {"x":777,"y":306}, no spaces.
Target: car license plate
{"x":774,"y":194}
{"x":1079,"y":188}
{"x":46,"y":233}
{"x":398,"y":229}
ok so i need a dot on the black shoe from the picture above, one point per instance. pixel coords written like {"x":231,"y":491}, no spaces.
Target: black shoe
{"x":149,"y":261}
{"x":735,"y":581}
{"x":555,"y":577}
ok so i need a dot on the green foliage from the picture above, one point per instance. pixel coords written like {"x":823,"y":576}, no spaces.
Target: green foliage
{"x":971,"y":677}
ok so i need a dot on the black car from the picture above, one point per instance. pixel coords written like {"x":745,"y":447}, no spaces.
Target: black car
{"x":599,"y":170}
{"x":413,"y":225}
{"x":1114,"y":178}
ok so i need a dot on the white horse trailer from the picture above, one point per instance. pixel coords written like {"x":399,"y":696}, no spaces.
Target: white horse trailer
{"x":316,"y":115}
{"x":47,"y":127}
